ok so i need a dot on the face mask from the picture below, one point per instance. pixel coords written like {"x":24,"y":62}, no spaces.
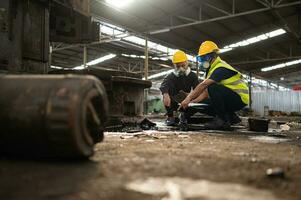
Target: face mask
{"x":203,"y":66}
{"x":204,"y":63}
{"x":180,"y":71}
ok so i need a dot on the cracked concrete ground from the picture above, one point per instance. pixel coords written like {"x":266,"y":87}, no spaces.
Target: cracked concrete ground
{"x":220,"y":157}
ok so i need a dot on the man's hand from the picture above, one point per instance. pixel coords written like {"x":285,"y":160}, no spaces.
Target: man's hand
{"x":184,"y":104}
{"x":166,"y":100}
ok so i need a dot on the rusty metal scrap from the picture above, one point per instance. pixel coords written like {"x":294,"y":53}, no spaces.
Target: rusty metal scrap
{"x":51,"y":116}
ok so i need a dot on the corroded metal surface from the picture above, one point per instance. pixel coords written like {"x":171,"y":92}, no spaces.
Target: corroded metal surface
{"x":125,"y":90}
{"x":61,"y":116}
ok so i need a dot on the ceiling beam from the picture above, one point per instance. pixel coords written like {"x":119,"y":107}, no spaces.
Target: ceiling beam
{"x":266,"y":60}
{"x":226,"y":17}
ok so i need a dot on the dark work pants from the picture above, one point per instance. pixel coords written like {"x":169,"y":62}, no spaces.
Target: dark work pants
{"x":223,"y":102}
{"x":173,"y":107}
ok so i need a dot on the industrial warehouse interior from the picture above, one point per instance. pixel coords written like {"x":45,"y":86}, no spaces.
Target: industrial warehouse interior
{"x":150,"y":99}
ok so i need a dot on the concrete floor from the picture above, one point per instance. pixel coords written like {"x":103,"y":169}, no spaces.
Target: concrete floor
{"x":218,"y":157}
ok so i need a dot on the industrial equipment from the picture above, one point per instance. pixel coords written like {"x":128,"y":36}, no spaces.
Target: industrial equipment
{"x":47,"y":115}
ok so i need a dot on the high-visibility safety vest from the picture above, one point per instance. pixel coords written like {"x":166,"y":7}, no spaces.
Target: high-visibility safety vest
{"x":235,"y":83}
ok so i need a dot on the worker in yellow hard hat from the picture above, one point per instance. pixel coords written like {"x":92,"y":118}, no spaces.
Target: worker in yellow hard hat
{"x":180,"y":81}
{"x":224,"y":88}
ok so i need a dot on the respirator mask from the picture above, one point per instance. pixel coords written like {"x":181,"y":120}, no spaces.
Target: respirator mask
{"x":204,"y":62}
{"x":181,"y":69}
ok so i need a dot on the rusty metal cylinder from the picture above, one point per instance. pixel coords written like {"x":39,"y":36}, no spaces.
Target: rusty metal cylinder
{"x":51,"y":115}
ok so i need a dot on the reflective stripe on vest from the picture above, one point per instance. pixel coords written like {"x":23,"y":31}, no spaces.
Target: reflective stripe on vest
{"x":235,"y":83}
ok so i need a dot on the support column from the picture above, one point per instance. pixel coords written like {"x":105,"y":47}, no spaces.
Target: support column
{"x":146,"y":65}
{"x":49,"y":59}
{"x":85,"y":56}
{"x":146,"y":60}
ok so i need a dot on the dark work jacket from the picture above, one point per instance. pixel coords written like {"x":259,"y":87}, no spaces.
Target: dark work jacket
{"x":173,"y":84}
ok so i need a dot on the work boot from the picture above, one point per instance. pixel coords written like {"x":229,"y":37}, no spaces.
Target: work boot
{"x":234,"y":119}
{"x":183,"y":126}
{"x":218,"y":124}
{"x":170,"y":121}
{"x":183,"y":122}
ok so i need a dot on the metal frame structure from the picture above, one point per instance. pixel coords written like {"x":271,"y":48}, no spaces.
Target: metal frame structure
{"x":228,"y":15}
{"x":269,"y":53}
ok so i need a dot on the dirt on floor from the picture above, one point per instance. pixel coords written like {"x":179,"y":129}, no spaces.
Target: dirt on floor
{"x":219,"y":157}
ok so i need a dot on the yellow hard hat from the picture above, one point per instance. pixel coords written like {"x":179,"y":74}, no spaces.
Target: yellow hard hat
{"x":179,"y":56}
{"x":208,"y":47}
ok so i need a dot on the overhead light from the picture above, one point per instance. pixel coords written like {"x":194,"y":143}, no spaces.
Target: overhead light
{"x":253,"y":40}
{"x":79,"y":67}
{"x":281,"y":65}
{"x":101,"y":59}
{"x":119,"y":3}
{"x":282,"y":78}
{"x":93,"y":62}
{"x":56,"y":67}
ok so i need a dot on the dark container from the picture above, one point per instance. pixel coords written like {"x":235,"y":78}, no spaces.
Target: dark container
{"x":259,"y":124}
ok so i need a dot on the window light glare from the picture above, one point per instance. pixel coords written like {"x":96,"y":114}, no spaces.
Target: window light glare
{"x":119,"y":3}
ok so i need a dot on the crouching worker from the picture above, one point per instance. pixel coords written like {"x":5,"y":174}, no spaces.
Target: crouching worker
{"x":181,"y":80}
{"x":224,"y":88}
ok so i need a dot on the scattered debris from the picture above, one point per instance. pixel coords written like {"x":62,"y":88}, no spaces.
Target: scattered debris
{"x":255,"y":160}
{"x":162,"y":137}
{"x":176,"y":188}
{"x":126,"y":137}
{"x":241,"y":154}
{"x":269,"y":139}
{"x":277,"y":135}
{"x":134,"y":130}
{"x":284,"y":127}
{"x":294,"y":125}
{"x":275,"y":113}
{"x":183,"y":136}
{"x":275,"y":172}
{"x":144,"y":135}
{"x":147,"y":124}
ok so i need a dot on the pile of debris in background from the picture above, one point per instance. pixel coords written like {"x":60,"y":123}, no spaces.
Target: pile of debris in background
{"x":274,"y":113}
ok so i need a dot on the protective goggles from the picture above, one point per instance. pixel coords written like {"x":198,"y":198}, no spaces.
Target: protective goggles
{"x":203,"y":58}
